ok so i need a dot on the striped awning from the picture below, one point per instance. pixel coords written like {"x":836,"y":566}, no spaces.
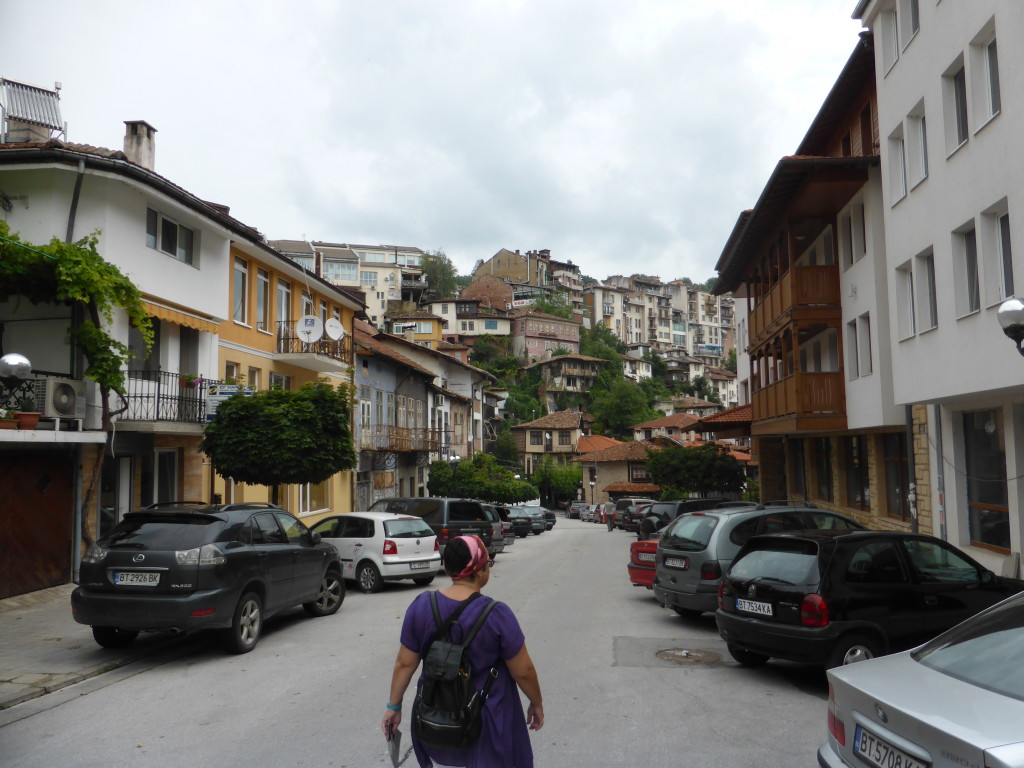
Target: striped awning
{"x":180,"y":318}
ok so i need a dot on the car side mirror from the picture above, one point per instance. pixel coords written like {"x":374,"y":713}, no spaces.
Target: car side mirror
{"x":987,"y":576}
{"x":316,"y":537}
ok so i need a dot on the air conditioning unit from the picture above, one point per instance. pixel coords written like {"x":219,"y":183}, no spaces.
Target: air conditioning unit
{"x":58,"y":398}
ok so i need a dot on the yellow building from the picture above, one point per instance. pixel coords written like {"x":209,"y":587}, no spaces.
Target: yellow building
{"x":286,"y":327}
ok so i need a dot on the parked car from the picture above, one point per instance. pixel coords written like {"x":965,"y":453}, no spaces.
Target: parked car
{"x":661,"y":513}
{"x":643,"y":554}
{"x":575,"y":510}
{"x":227,"y":567}
{"x":447,"y":517}
{"x":537,"y":522}
{"x":507,"y":529}
{"x":836,"y":597}
{"x":622,"y":505}
{"x":382,"y":546}
{"x":522,"y":523}
{"x":956,"y":701}
{"x":549,"y":518}
{"x":696,"y":549}
{"x":497,"y":530}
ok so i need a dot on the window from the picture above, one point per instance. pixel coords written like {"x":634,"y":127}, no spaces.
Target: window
{"x":231,"y":371}
{"x":490,"y":325}
{"x":168,"y":236}
{"x":340,"y":271}
{"x":536,"y":438}
{"x":391,"y":408}
{"x":1005,"y":254}
{"x":890,"y":40}
{"x":323,"y":311}
{"x":284,"y":301}
{"x":252,"y":378}
{"x":910,"y":20}
{"x":402,"y":422}
{"x":241,"y":291}
{"x":896,"y":479}
{"x":897,"y":165}
{"x":992,"y":71}
{"x":955,"y":94}
{"x":368,"y":278}
{"x":985,"y":462}
{"x":564,"y":437}
{"x":986,"y":97}
{"x":905,"y":312}
{"x":917,"y":146}
{"x":262,"y":299}
{"x":965,"y":256}
{"x":929,"y":303}
{"x":379,"y":406}
{"x":280,"y":381}
{"x":852,"y":354}
{"x":996,"y":253}
{"x":823,"y":467}
{"x":858,"y":492}
{"x":864,"y":365}
{"x":307,"y":303}
{"x":314,"y":497}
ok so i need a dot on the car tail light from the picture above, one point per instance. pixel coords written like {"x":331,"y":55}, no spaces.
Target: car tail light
{"x":711,"y":570}
{"x":813,"y":611}
{"x":835,"y":726}
{"x":94,"y":554}
{"x":436,"y":547}
{"x":390,"y":548}
{"x":208,"y":554}
{"x":442,"y":535}
{"x":203,"y":612}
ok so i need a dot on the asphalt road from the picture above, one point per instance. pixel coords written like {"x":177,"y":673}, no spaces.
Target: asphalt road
{"x":312,"y":692}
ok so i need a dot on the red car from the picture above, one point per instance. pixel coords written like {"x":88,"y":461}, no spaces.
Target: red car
{"x":641,"y":562}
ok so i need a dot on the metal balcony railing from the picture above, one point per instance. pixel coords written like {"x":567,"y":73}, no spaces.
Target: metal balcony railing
{"x":288,"y":342}
{"x":164,"y":396}
{"x":377,"y":437}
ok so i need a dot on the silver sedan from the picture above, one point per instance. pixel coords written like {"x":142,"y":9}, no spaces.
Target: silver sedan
{"x":956,"y":701}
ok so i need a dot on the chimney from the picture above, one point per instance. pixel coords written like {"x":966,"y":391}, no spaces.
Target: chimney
{"x":140,"y":144}
{"x":410,"y":332}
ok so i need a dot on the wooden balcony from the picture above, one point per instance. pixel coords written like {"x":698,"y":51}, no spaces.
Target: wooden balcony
{"x":807,"y":291}
{"x":399,"y":439}
{"x":803,"y":402}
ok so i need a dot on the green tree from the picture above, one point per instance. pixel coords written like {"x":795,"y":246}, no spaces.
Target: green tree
{"x":491,"y":353}
{"x":619,"y":407}
{"x":506,"y":452}
{"x":701,"y":387}
{"x":480,"y":477}
{"x":703,"y":469}
{"x":277,"y":436}
{"x":730,"y":361}
{"x":557,"y":482}
{"x":75,"y":275}
{"x":556,"y":304}
{"x":440,"y":274}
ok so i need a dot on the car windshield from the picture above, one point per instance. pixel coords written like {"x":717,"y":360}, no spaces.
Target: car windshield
{"x":162,"y":533}
{"x":783,"y":562}
{"x":690,"y":532}
{"x":406,"y":529}
{"x":986,"y":651}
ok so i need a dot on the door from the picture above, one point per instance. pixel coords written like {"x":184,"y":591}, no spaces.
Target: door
{"x":274,"y":555}
{"x":308,"y":559}
{"x":876,"y":587}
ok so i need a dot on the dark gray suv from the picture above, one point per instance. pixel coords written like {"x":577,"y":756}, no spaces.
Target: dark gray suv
{"x":192,"y":566}
{"x":448,"y":518}
{"x":696,"y":549}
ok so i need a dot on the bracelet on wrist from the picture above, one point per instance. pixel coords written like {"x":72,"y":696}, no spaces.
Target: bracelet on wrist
{"x":394,"y":707}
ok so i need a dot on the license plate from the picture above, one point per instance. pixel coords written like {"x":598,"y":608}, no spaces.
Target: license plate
{"x":645,"y":556}
{"x":136,"y":579}
{"x":419,"y":566}
{"x":752,"y":606}
{"x":677,"y":562}
{"x":880,"y":753}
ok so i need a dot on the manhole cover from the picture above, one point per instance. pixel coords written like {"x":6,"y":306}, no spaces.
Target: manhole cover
{"x":689,"y":656}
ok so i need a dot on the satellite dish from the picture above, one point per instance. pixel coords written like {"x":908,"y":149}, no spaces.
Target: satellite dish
{"x":310,"y":328}
{"x":334,"y":329}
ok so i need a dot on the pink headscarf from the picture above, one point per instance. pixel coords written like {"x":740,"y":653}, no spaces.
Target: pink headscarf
{"x":478,"y":557}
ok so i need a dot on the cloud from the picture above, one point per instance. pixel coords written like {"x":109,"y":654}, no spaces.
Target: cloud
{"x":621,"y":136}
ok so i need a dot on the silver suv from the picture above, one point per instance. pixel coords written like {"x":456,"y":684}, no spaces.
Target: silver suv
{"x":698,"y":548}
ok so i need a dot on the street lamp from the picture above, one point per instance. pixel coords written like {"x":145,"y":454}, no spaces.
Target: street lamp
{"x":1011,"y":319}
{"x":592,"y":484}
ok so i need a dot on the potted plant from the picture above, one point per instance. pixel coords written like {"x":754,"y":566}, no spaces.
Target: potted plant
{"x":7,"y":419}
{"x":25,"y":412}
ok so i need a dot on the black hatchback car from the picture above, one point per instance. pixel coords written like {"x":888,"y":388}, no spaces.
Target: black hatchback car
{"x":836,"y":597}
{"x":194,"y":567}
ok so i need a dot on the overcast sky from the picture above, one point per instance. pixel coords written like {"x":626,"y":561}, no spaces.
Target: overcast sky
{"x":624,"y":135}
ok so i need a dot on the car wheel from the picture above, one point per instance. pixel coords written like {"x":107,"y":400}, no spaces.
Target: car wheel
{"x":246,"y":625}
{"x":368,"y":578}
{"x":537,"y":533}
{"x":329,"y":597}
{"x":747,"y":658}
{"x":112,"y":637}
{"x":687,"y":613}
{"x":850,"y":649}
{"x":422,"y":581}
{"x":523,"y":535}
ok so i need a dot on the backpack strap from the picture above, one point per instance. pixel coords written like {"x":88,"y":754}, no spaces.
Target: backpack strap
{"x":492,"y":675}
{"x":442,"y":628}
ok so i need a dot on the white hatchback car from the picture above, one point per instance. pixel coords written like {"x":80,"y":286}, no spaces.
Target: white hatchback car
{"x":382,"y":546}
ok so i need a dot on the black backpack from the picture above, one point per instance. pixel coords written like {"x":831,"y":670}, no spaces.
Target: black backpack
{"x":447,"y":711}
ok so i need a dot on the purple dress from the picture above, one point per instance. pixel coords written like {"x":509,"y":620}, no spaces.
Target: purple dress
{"x":504,"y":738}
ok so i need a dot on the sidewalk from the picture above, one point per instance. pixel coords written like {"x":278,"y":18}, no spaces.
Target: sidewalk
{"x":43,"y":649}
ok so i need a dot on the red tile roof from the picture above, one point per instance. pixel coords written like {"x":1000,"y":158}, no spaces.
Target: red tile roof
{"x":680,"y":420}
{"x":737,"y":415}
{"x":558,"y":420}
{"x":632,"y":488}
{"x":367,"y":342}
{"x":631,"y":451}
{"x":592,"y":443}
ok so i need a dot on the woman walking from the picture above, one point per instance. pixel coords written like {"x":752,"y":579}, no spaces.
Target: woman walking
{"x":504,"y":740}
